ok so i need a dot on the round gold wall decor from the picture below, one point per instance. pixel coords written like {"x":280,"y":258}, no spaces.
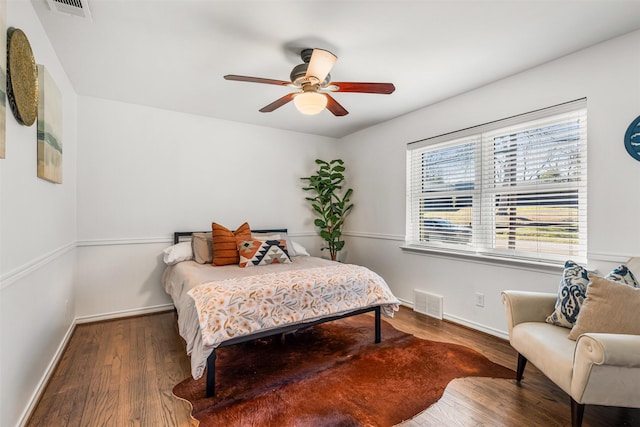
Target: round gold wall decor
{"x":22,"y":78}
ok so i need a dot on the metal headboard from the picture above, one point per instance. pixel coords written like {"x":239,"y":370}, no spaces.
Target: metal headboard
{"x":179,"y":234}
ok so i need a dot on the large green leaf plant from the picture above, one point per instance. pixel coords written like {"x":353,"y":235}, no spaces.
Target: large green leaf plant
{"x":330,"y":202}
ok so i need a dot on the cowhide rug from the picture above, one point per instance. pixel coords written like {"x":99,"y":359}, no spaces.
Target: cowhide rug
{"x":332,"y":375}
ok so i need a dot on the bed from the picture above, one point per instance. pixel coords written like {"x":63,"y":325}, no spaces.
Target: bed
{"x":221,"y":306}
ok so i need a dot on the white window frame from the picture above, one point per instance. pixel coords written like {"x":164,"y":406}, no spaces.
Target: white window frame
{"x":484,"y":211}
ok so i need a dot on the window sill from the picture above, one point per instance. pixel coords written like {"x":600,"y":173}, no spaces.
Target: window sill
{"x":495,"y":260}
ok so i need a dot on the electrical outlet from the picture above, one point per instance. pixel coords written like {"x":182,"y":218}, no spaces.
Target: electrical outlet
{"x":479,"y":299}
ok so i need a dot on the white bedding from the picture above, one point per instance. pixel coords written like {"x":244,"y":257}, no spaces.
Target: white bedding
{"x":212,"y":301}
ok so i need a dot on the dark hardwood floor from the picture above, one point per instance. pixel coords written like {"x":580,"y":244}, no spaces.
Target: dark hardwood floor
{"x":118,"y":373}
{"x":121,"y":372}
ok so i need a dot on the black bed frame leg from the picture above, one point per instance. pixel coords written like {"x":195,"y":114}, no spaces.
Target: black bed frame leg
{"x":211,"y":374}
{"x":211,"y":360}
{"x":377,"y":313}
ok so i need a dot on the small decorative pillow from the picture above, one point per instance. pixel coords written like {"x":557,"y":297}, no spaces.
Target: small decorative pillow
{"x":178,"y":253}
{"x":225,"y":247}
{"x":623,"y":275}
{"x":262,"y":252}
{"x":202,"y":246}
{"x":610,"y":307}
{"x":571,"y":294}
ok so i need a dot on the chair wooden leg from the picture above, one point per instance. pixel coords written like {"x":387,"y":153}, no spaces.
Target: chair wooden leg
{"x":522,"y":362}
{"x":577,"y":411}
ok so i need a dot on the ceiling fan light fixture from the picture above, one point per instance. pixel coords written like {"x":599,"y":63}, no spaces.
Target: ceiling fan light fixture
{"x":310,"y":103}
{"x":312,"y":79}
{"x":320,"y":64}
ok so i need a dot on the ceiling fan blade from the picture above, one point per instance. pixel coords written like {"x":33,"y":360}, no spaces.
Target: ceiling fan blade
{"x":334,"y":107}
{"x":320,"y":64}
{"x":278,"y":103}
{"x":256,"y":80}
{"x":382,"y":88}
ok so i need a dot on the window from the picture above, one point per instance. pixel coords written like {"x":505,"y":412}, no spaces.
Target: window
{"x":512,"y":188}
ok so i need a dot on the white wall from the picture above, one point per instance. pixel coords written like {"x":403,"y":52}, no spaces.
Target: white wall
{"x":607,"y":74}
{"x":90,"y":248}
{"x":37,"y":230}
{"x":144,"y":173}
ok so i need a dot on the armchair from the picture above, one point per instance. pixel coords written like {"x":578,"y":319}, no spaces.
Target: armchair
{"x":597,"y":368}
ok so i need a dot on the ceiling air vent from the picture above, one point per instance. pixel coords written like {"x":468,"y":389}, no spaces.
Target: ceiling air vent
{"x":78,"y":8}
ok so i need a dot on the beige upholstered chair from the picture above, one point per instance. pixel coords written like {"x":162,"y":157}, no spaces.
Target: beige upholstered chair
{"x":597,"y":368}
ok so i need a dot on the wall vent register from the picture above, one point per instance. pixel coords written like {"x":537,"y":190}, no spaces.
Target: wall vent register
{"x":427,"y":303}
{"x":79,"y":8}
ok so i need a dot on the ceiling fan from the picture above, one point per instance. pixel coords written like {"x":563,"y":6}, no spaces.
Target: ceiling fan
{"x":312,"y":79}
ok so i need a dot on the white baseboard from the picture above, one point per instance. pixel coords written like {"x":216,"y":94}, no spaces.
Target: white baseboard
{"x":123,"y":313}
{"x":469,"y":324}
{"x":63,"y":345}
{"x":477,"y":326}
{"x":47,"y":375}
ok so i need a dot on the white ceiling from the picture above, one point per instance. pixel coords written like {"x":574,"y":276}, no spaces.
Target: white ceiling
{"x":172,"y":54}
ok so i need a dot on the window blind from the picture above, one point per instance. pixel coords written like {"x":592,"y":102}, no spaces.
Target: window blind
{"x":511,"y":188}
{"x":442,"y":189}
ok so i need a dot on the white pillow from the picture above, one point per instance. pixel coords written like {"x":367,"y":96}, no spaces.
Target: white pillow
{"x":291,"y":250}
{"x":299,"y":249}
{"x":177,"y":253}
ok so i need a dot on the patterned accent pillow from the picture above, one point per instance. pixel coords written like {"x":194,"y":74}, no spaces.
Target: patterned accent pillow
{"x":262,"y":252}
{"x":573,"y":291}
{"x":623,"y":275}
{"x":571,"y":295}
{"x":225,"y":249}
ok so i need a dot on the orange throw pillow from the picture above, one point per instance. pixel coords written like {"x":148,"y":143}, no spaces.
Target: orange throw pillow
{"x":225,"y":246}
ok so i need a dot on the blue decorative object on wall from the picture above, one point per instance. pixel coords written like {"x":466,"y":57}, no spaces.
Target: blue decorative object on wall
{"x":632,"y":139}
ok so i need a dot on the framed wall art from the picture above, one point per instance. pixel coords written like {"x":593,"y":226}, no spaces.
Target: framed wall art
{"x":49,"y":128}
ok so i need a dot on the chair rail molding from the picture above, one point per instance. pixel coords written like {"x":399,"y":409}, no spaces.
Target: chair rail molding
{"x":16,"y":274}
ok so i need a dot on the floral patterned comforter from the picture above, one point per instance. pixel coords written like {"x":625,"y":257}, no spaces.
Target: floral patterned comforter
{"x":240,"y":306}
{"x":262,"y":303}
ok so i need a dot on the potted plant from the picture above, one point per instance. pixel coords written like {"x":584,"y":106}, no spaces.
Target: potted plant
{"x":329,"y":202}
